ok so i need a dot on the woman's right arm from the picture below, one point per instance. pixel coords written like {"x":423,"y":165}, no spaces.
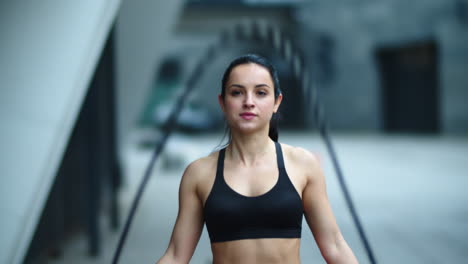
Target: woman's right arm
{"x":189,"y":223}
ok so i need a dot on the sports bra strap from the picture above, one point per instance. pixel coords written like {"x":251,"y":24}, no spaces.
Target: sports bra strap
{"x":220,"y":167}
{"x":279,"y":156}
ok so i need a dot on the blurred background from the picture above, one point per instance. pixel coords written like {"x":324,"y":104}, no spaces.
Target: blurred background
{"x":86,"y":87}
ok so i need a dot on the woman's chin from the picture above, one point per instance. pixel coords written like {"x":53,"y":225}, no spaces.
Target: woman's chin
{"x":249,"y":129}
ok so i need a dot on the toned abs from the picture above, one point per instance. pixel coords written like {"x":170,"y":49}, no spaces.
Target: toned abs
{"x":257,"y":251}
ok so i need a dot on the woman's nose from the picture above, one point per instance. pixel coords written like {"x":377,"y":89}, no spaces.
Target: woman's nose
{"x":248,"y":101}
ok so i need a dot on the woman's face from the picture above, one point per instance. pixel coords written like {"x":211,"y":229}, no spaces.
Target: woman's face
{"x":249,"y":100}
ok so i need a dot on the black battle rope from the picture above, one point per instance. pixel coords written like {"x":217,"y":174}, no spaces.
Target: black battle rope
{"x":322,"y":126}
{"x":168,"y":127}
{"x":339,"y":173}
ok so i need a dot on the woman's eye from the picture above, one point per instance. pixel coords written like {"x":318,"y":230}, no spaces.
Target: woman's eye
{"x":234,"y":93}
{"x":262,"y":93}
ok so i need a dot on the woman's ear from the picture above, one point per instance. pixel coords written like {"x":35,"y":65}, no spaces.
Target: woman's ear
{"x":278,"y":102}
{"x":221,"y":102}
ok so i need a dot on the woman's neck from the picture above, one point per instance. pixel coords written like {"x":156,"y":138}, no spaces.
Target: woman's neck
{"x":249,"y":149}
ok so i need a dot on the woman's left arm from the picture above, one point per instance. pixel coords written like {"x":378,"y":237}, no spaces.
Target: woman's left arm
{"x":320,"y":217}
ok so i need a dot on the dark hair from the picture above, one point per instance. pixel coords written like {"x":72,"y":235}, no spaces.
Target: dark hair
{"x":259,"y":60}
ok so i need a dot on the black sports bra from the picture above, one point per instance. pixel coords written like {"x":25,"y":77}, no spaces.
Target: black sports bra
{"x":231,"y":216}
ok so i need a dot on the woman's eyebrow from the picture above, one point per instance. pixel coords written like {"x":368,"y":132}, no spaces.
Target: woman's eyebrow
{"x":261,"y":85}
{"x":241,"y":86}
{"x":236,"y":85}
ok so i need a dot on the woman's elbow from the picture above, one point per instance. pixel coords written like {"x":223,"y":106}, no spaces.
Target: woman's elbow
{"x":171,"y":258}
{"x":331,"y":254}
{"x":338,"y":252}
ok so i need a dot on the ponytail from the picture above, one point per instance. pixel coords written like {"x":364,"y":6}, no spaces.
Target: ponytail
{"x":273,"y":132}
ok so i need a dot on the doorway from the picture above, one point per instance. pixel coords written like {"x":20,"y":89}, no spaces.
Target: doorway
{"x":410,"y":87}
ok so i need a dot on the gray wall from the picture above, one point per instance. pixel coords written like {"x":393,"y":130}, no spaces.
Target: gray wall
{"x":454,"y":76}
{"x":359,"y":27}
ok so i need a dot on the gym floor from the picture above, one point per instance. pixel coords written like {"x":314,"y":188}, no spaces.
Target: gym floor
{"x":409,"y":191}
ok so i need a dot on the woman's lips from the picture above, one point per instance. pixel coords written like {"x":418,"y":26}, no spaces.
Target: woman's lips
{"x":248,"y":116}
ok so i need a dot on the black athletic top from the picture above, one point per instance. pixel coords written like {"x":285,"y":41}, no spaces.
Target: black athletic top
{"x":232,"y":216}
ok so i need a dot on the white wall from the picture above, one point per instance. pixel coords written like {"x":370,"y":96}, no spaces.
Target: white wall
{"x":48,"y":52}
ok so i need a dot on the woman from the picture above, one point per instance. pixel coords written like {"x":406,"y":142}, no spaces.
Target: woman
{"x":253,"y":193}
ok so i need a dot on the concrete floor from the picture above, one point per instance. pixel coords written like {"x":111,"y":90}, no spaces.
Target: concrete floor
{"x":410,"y":193}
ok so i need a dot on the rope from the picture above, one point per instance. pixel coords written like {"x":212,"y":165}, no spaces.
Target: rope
{"x":322,"y":125}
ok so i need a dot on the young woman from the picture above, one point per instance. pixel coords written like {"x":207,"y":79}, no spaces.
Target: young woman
{"x":253,"y":194}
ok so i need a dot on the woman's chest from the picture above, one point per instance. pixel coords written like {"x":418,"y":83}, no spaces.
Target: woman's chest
{"x":252,"y":181}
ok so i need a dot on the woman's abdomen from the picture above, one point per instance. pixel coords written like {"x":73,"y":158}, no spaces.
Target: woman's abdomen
{"x":257,"y":251}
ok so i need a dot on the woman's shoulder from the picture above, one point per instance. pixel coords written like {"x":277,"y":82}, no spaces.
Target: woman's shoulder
{"x":201,"y":167}
{"x":300,"y":156}
{"x":200,"y":174}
